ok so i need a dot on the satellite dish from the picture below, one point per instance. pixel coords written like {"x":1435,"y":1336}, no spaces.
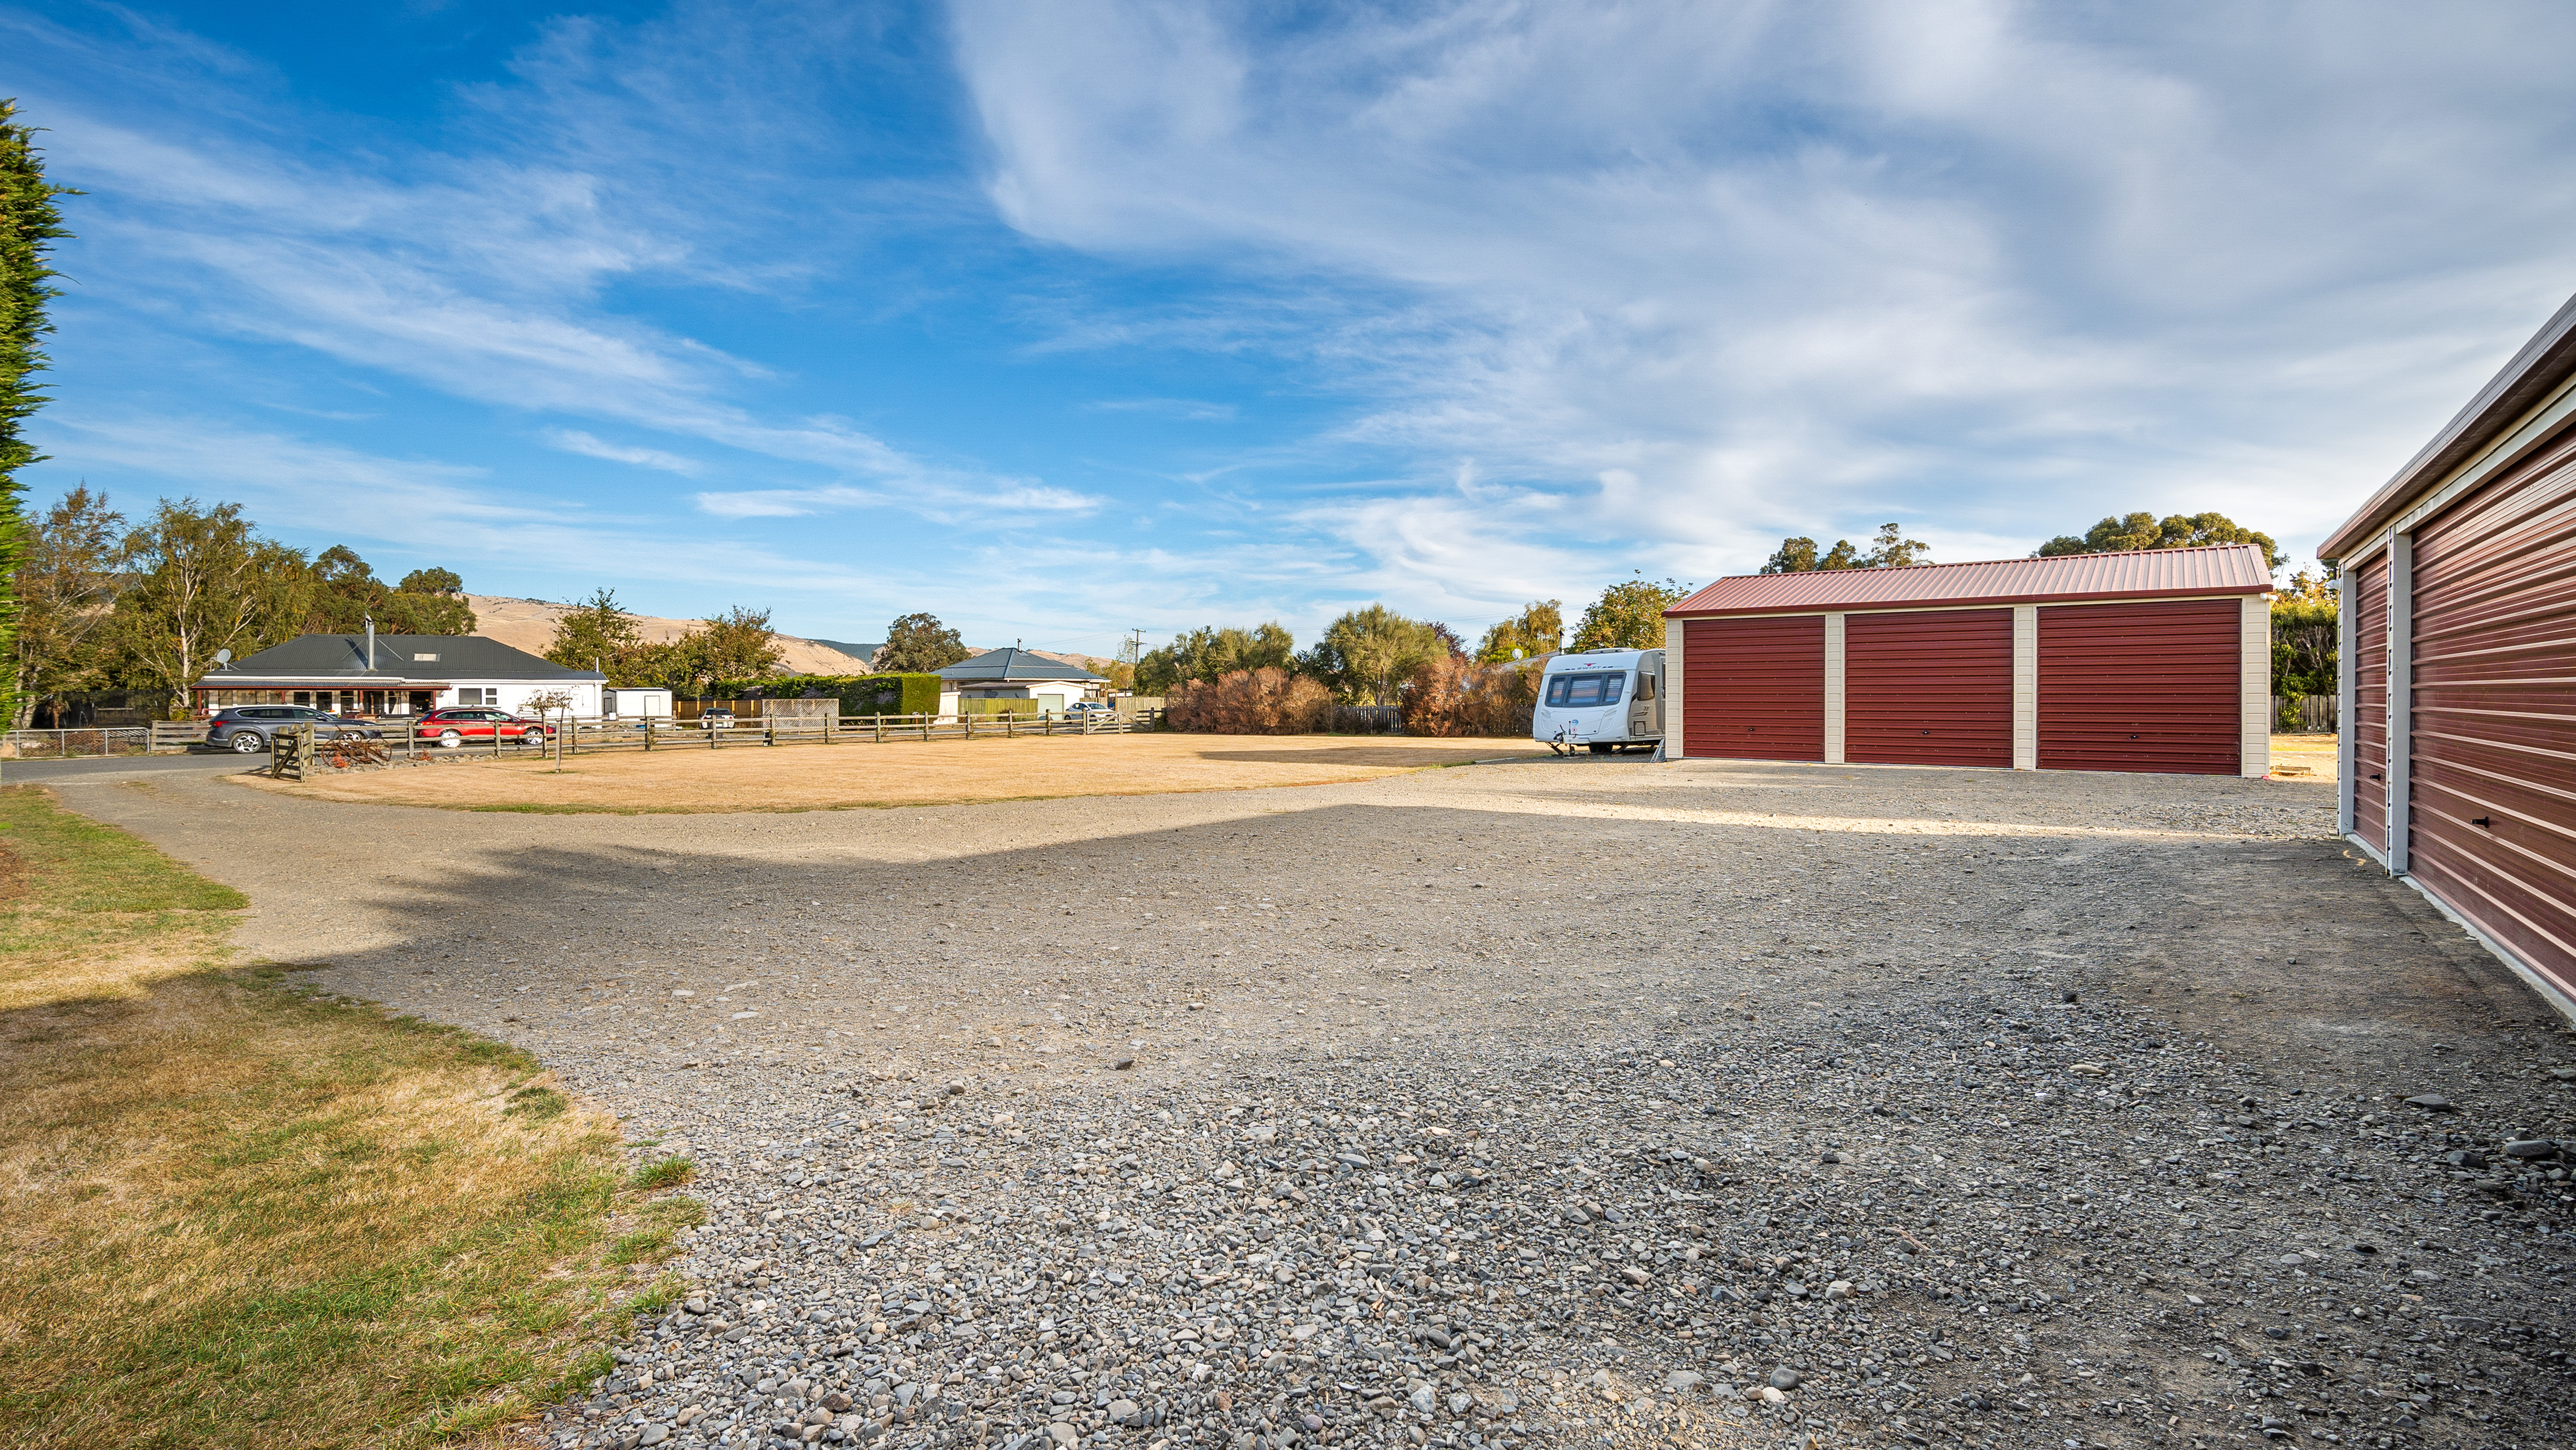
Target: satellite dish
{"x":223,"y":657}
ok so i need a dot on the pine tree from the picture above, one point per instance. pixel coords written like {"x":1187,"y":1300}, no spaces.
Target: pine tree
{"x":29,"y":225}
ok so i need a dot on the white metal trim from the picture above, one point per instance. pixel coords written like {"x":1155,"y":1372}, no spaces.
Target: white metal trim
{"x":2025,"y":687}
{"x":1834,"y":696}
{"x":2254,"y":688}
{"x":1676,"y":670}
{"x":2513,"y":448}
{"x":2211,"y":596}
{"x":2401,"y":693}
{"x":2346,"y":692}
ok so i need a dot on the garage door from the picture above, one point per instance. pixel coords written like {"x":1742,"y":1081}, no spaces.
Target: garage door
{"x":2370,"y":701}
{"x":1755,"y":688}
{"x":1931,"y":688}
{"x":2141,"y":687}
{"x":2491,"y":824}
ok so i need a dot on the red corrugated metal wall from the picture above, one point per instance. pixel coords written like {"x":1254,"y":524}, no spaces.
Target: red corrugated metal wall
{"x":2370,"y":700}
{"x":1928,"y":688}
{"x":2492,"y":781}
{"x":1754,"y":688}
{"x":2141,"y":687}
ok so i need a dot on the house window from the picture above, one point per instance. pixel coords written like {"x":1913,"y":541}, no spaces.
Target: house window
{"x":474,"y":695}
{"x":304,"y":697}
{"x":424,"y":659}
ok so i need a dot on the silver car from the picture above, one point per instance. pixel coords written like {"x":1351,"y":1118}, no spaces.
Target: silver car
{"x":248,"y":729}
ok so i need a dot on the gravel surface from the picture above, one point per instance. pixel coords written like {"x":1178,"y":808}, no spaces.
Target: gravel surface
{"x":1580,"y":1103}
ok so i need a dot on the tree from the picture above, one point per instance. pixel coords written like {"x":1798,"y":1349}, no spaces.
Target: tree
{"x":1798,"y":556}
{"x":203,"y":581}
{"x":919,"y":644}
{"x":343,"y":593}
{"x":67,"y":581}
{"x":1889,"y":549}
{"x":1373,"y":650}
{"x":2304,"y":641}
{"x":737,"y":645}
{"x":431,"y":581}
{"x":29,"y":225}
{"x":1213,"y":653}
{"x":2175,"y":531}
{"x":1629,"y":615}
{"x":599,"y":634}
{"x":1539,"y":629}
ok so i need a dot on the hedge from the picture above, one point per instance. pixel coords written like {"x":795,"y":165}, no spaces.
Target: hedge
{"x":858,"y":694}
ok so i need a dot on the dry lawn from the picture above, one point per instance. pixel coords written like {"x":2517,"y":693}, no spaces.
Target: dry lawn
{"x":2315,"y":752}
{"x":751,"y":777}
{"x":237,"y":1214}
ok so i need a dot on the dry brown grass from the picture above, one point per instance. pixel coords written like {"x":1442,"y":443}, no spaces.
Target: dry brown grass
{"x":2315,"y":752}
{"x":235,"y":1214}
{"x":899,"y":773}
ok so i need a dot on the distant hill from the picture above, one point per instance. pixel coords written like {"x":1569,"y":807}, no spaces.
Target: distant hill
{"x":854,"y":650}
{"x":529,"y":624}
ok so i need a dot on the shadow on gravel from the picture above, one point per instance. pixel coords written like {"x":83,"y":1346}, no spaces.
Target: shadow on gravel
{"x":1986,"y":1138}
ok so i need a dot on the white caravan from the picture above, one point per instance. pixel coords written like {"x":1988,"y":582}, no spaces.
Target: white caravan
{"x":1602,"y":700}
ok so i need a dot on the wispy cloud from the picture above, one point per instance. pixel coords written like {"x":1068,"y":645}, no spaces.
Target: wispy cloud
{"x":941,"y":503}
{"x":1995,"y":265}
{"x":1191,"y":409}
{"x":487,"y":268}
{"x":573,"y":440}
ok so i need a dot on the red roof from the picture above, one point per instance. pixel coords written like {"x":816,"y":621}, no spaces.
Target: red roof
{"x":2125,"y":574}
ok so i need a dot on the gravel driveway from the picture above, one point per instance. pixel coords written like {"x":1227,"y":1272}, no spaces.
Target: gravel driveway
{"x":1574,"y":1103}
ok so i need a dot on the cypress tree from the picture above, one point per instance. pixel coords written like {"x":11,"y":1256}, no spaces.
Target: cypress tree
{"x":29,"y":224}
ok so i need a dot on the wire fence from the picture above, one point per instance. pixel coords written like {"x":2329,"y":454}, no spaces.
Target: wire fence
{"x":298,"y":748}
{"x":76,"y":744}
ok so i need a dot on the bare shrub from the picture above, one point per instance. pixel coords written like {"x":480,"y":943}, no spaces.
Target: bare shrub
{"x":1266,"y":701}
{"x":1449,"y":696}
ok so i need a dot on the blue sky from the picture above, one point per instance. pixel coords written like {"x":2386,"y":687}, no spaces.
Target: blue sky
{"x":1062,"y":319}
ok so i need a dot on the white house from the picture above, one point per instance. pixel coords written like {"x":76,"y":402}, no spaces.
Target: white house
{"x":1018,"y":674}
{"x":395,"y":675}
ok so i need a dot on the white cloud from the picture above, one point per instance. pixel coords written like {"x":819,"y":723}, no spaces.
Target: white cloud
{"x":487,"y":272}
{"x":938,"y":502}
{"x":419,"y":506}
{"x":573,"y":440}
{"x":1997,"y":266}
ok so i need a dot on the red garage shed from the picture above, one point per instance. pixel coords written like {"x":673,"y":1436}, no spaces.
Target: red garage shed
{"x":2147,"y":660}
{"x":2459,"y":693}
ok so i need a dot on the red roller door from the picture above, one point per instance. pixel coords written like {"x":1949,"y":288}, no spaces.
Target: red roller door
{"x":2370,"y":700}
{"x":1928,"y":688}
{"x":2491,"y":823}
{"x":2141,"y":687}
{"x":1754,"y":689}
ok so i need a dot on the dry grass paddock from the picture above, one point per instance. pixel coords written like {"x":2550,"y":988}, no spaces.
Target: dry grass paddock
{"x":751,"y":777}
{"x":236,"y":1213}
{"x":2315,"y":752}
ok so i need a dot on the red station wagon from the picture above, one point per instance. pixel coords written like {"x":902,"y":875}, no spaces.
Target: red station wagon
{"x":453,"y":726}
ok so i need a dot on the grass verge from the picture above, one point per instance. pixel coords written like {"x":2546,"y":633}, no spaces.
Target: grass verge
{"x":237,"y":1213}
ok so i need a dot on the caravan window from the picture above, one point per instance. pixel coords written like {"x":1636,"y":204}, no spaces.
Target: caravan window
{"x":1576,"y":692}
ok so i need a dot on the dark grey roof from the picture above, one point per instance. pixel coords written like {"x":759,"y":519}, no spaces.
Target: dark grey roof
{"x":1013,"y":664}
{"x":344,"y":657}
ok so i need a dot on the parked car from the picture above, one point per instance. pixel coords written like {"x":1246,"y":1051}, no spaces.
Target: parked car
{"x":248,"y":729}
{"x":453,"y":726}
{"x":716,"y":720}
{"x":1091,"y":707}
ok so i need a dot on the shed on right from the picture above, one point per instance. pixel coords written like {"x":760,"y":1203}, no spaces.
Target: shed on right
{"x":2457,"y":582}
